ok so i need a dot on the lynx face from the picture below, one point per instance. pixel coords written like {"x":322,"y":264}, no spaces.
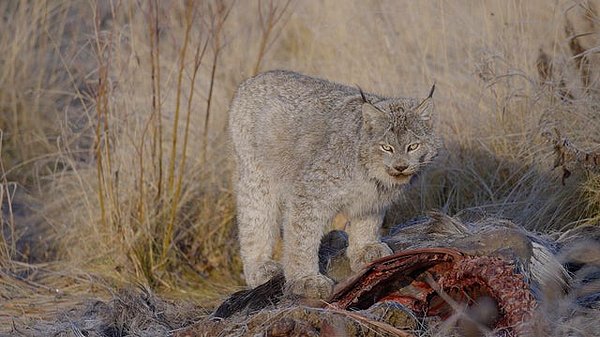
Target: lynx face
{"x":398,"y":139}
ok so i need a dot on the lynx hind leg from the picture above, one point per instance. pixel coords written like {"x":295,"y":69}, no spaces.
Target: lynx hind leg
{"x":258,"y":225}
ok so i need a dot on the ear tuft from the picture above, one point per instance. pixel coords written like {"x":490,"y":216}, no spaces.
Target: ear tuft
{"x":362,"y":94}
{"x":431,"y":91}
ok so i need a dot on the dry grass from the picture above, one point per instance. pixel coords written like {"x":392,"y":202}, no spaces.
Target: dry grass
{"x":113,"y":116}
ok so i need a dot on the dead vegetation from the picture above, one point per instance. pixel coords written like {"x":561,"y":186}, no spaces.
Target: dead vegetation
{"x":449,"y":276}
{"x":115,"y":165}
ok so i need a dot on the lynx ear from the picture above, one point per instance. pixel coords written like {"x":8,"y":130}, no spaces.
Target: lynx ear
{"x":372,"y":115}
{"x":425,"y":108}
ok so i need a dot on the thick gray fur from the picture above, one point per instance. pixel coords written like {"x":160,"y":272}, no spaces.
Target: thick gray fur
{"x":308,"y":149}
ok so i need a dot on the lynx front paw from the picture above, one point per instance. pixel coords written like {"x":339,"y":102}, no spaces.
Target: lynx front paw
{"x":367,"y":254}
{"x":263,"y":273}
{"x":312,"y":286}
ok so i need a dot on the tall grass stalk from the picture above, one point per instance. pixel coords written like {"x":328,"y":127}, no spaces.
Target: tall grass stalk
{"x":198,"y":57}
{"x":146,"y":255}
{"x":157,"y":151}
{"x":171,"y":189}
{"x":219,"y":13}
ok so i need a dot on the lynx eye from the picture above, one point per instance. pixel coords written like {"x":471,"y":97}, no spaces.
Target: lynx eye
{"x":412,"y":147}
{"x":387,"y":148}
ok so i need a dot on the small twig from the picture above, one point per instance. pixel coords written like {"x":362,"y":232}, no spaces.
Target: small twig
{"x":458,"y":308}
{"x":436,"y":287}
{"x":377,"y":324}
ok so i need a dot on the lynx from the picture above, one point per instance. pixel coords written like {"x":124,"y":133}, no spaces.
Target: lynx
{"x":308,"y":149}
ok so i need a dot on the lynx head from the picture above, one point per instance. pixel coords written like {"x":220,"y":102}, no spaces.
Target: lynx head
{"x":397,"y":138}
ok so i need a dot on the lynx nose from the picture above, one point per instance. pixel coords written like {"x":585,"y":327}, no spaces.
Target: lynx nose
{"x":400,"y":168}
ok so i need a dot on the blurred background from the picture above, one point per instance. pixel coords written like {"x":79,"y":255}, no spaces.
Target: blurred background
{"x":115,"y":161}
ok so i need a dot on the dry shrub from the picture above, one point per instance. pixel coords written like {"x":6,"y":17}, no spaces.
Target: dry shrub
{"x":35,"y":87}
{"x":36,"y":92}
{"x":154,"y":189}
{"x":154,"y":202}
